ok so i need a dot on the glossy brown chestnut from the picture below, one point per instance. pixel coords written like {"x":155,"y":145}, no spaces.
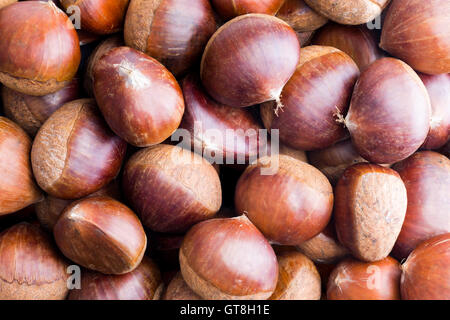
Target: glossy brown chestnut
{"x":261,"y":55}
{"x":325,"y":247}
{"x":229,"y":9}
{"x":32,"y":268}
{"x":74,"y":153}
{"x":300,"y":16}
{"x":369,"y":210}
{"x":104,"y":47}
{"x":426,"y":176}
{"x":357,"y":41}
{"x":438,"y":87}
{"x":143,"y":283}
{"x":298,"y":278}
{"x":426,"y":273}
{"x":174,"y":32}
{"x":179,"y":290}
{"x":47,"y":55}
{"x":101,"y":234}
{"x":4,"y":3}
{"x":99,"y":16}
{"x":390,"y":111}
{"x":50,"y":209}
{"x":207,"y":122}
{"x":224,"y":259}
{"x":17,"y":186}
{"x":333,"y":160}
{"x":320,"y":88}
{"x":139,"y":98}
{"x":417,"y":32}
{"x":185,"y":188}
{"x":349,"y":12}
{"x":30,"y":112}
{"x":356,"y":280}
{"x":298,"y":199}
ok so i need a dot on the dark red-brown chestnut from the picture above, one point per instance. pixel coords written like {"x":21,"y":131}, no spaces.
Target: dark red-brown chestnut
{"x":426,"y":176}
{"x":143,"y":283}
{"x":320,"y":88}
{"x":185,"y":188}
{"x":289,"y":200}
{"x":39,"y":49}
{"x":174,"y":32}
{"x":390,"y":111}
{"x":369,"y":210}
{"x":74,"y":153}
{"x":223,"y":259}
{"x":300,"y":16}
{"x":249,"y":60}
{"x":32,"y":268}
{"x":179,"y":290}
{"x":356,"y":280}
{"x":101,"y":234}
{"x":229,"y":9}
{"x":139,"y":98}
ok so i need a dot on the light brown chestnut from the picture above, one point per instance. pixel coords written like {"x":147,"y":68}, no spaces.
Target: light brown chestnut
{"x":47,"y":55}
{"x":320,"y":88}
{"x":174,"y":32}
{"x":101,"y":234}
{"x":249,"y":60}
{"x":417,"y":32}
{"x":74,"y":153}
{"x":143,"y":283}
{"x":30,"y":112}
{"x":228,"y":259}
{"x":32,"y":268}
{"x":356,"y":280}
{"x":297,"y":199}
{"x":229,"y":9}
{"x":139,"y":98}
{"x":298,"y":278}
{"x":179,"y":290}
{"x":352,"y":12}
{"x":17,"y":186}
{"x":300,"y":16}
{"x":390,"y":112}
{"x":185,"y":188}
{"x":369,"y":210}
{"x":425,"y":274}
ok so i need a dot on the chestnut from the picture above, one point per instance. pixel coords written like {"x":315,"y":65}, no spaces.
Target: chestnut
{"x":228,"y":259}
{"x":294,"y":153}
{"x":143,"y":283}
{"x":426,"y":176}
{"x":30,"y":112}
{"x":179,"y":290}
{"x":349,"y":12}
{"x":438,"y":87}
{"x":174,"y":32}
{"x":297,"y":199}
{"x":356,"y":280}
{"x":298,"y":278}
{"x":99,"y":16}
{"x":203,"y":115}
{"x":304,"y":38}
{"x":390,"y":111}
{"x":300,"y":16}
{"x":74,"y":153}
{"x":185,"y":188}
{"x":416,"y":32}
{"x":17,"y":186}
{"x":369,"y":210}
{"x":357,"y":41}
{"x":229,"y":9}
{"x":101,"y":234}
{"x":4,"y":3}
{"x":139,"y":98}
{"x":32,"y":269}
{"x":425,"y":274}
{"x":39,"y":49}
{"x":320,"y":88}
{"x":249,"y":60}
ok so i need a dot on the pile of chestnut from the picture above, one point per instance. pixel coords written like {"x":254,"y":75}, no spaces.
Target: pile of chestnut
{"x":100,"y":200}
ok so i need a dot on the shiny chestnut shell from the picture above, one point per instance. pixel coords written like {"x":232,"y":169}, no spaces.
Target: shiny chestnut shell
{"x":229,"y":9}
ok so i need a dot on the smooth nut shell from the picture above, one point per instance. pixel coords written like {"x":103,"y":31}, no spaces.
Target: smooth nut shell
{"x":300,"y":16}
{"x":228,"y":9}
{"x":179,"y":290}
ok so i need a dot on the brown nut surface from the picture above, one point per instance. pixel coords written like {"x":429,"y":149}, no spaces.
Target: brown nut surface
{"x":300,"y":16}
{"x":179,"y":290}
